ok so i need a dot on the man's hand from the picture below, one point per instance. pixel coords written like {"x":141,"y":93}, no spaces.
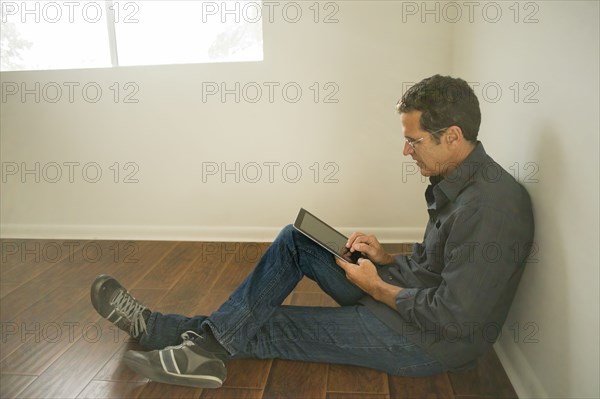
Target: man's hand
{"x":370,"y":246}
{"x":364,"y":276}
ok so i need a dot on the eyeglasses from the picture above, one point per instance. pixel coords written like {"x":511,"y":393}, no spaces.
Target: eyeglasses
{"x":413,"y":143}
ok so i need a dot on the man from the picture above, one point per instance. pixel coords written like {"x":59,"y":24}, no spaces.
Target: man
{"x":436,"y":310}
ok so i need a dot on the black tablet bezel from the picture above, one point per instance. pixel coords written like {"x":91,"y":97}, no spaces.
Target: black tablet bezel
{"x":354,"y":256}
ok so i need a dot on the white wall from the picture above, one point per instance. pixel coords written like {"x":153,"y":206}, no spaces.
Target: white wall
{"x":171,"y":132}
{"x":557,"y":355}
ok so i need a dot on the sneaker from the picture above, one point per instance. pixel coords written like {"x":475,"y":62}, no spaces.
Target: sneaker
{"x":209,"y":343}
{"x":118,"y":306}
{"x":187,"y":364}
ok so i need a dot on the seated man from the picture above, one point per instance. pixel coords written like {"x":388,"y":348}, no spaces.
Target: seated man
{"x":436,"y":310}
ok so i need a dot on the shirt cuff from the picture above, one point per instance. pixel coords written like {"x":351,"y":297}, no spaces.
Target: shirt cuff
{"x":405,"y":302}
{"x":405,"y":294}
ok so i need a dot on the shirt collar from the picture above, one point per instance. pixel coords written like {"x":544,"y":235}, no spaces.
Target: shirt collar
{"x":451,"y":185}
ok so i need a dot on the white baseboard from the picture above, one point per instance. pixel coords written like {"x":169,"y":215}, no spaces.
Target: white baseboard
{"x":183,"y":233}
{"x":521,"y":375}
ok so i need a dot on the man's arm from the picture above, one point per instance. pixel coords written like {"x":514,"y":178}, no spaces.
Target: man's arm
{"x":481,"y":267}
{"x":364,"y":276}
{"x":474,"y":277}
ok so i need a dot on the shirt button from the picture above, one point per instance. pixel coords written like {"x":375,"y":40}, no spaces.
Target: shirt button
{"x":390,"y":278}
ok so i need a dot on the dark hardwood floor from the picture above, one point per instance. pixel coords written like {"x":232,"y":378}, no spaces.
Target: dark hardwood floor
{"x":54,"y":345}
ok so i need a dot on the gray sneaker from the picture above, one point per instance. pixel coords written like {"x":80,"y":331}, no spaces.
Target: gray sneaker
{"x":187,"y":364}
{"x":118,"y":306}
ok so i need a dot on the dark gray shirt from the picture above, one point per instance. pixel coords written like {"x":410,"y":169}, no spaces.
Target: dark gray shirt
{"x":460,"y":281}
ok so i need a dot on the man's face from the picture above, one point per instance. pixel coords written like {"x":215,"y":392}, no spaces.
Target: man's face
{"x":432,"y":158}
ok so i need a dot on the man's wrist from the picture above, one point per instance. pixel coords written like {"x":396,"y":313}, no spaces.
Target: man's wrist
{"x":386,"y":293}
{"x":387,"y":259}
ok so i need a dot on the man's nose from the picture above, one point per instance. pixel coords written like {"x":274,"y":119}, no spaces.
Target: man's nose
{"x":407,"y":149}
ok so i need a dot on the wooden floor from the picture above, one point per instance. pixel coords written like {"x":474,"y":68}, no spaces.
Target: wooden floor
{"x":54,"y":345}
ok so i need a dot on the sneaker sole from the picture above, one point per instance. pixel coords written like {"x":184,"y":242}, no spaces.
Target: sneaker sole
{"x":162,"y":376}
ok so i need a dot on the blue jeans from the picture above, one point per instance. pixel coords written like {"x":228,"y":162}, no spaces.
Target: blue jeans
{"x":253,"y":323}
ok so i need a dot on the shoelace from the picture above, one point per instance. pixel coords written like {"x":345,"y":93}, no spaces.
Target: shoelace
{"x":188,"y":337}
{"x":127,"y":307}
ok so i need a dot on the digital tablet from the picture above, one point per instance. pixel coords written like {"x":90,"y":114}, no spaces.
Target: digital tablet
{"x":325,"y":235}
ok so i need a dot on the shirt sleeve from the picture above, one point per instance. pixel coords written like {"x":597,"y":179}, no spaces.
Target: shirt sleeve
{"x":480,"y":254}
{"x":404,"y":272}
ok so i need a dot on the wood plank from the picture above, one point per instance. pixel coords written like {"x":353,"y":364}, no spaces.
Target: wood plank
{"x":247,"y":373}
{"x":36,"y":256}
{"x":210,"y":301}
{"x":247,"y":253}
{"x":313,"y":299}
{"x":171,"y":267}
{"x":75,"y":271}
{"x":11,"y":254}
{"x":193,"y":286}
{"x":488,"y":379}
{"x":437,"y":386}
{"x":7,"y":288}
{"x":56,"y":333}
{"x":115,"y":370}
{"x":307,"y":285}
{"x":156,"y":390}
{"x":347,"y":395}
{"x":91,"y":258}
{"x":232,"y":393}
{"x":111,"y":390}
{"x":343,"y":378}
{"x":237,"y":265}
{"x":68,"y":376}
{"x":39,"y":321}
{"x":402,"y":248}
{"x":137,"y":259}
{"x":11,"y":384}
{"x":31,"y":292}
{"x":294,"y":379}
{"x":128,"y":261}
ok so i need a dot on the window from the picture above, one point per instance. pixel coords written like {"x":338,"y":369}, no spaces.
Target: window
{"x":38,"y":35}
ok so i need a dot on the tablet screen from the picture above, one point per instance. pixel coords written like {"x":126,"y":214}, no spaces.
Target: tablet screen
{"x":325,"y":235}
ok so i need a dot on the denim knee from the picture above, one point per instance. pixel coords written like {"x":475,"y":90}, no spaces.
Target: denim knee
{"x":287,"y":234}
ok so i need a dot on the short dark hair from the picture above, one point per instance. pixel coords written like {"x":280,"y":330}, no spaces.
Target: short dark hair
{"x":444,"y":101}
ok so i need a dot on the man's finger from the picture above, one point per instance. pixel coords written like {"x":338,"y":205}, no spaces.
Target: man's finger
{"x":364,"y":248}
{"x":352,"y":238}
{"x":341,"y":263}
{"x":365,"y":239}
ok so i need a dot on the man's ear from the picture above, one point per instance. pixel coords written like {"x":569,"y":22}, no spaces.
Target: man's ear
{"x":454,"y":135}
